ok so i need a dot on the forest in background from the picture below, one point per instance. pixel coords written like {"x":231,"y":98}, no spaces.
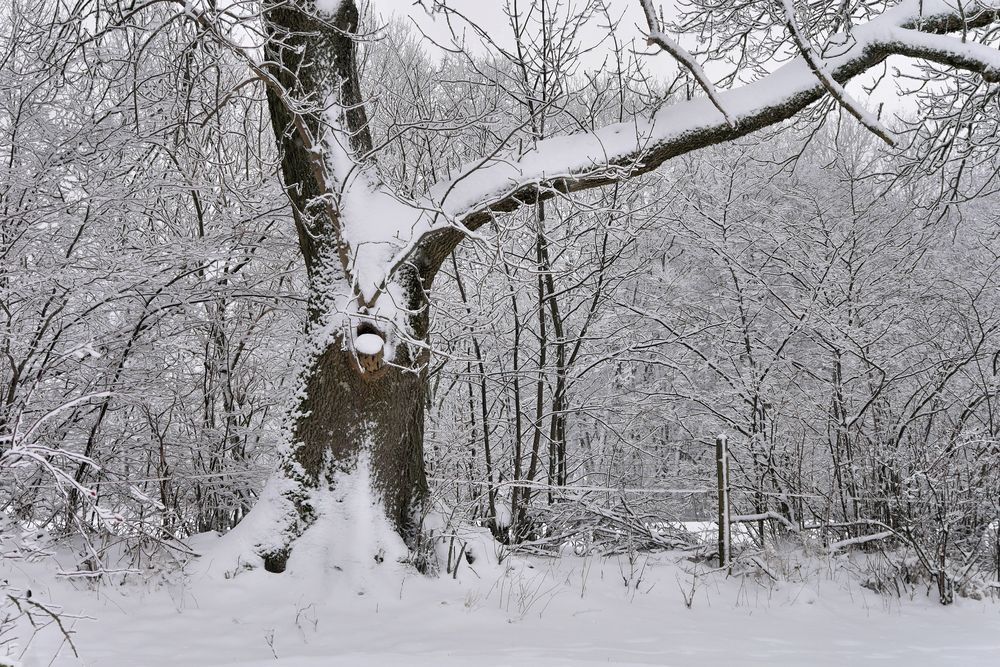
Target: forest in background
{"x":828,"y":302}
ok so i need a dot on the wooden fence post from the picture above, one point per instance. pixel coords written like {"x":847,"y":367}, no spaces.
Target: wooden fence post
{"x":722,"y":473}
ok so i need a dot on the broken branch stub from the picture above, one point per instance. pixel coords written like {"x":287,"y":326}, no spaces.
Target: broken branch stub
{"x":369,"y":348}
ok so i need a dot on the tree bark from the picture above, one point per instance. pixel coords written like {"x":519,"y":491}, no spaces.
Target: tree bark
{"x":343,"y":410}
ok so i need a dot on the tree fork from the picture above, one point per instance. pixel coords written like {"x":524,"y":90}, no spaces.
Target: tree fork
{"x":350,"y":403}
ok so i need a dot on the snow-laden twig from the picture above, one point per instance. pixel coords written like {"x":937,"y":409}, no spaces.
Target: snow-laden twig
{"x":842,"y":544}
{"x":15,"y":437}
{"x":681,"y":55}
{"x":837,"y":91}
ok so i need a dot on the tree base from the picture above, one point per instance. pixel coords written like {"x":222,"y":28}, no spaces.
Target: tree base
{"x":342,"y":527}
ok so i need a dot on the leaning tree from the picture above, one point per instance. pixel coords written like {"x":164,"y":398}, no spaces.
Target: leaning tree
{"x":372,"y":254}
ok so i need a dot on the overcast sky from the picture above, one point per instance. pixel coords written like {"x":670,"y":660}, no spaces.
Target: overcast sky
{"x":490,"y":15}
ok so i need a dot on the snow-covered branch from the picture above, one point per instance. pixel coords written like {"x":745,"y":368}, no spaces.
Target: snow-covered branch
{"x":836,"y":90}
{"x":376,"y":233}
{"x":623,"y":150}
{"x":681,"y":55}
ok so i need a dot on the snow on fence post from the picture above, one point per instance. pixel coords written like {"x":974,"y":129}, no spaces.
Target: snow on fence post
{"x":722,"y":473}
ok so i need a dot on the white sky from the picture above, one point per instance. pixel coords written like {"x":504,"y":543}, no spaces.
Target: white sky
{"x":490,"y":15}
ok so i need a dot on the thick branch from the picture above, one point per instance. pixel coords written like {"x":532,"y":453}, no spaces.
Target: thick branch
{"x":312,"y":58}
{"x":625,"y":150}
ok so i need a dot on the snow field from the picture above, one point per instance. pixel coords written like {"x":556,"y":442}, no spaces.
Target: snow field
{"x":525,"y":611}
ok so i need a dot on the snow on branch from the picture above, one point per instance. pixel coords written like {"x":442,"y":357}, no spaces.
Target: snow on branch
{"x":623,"y":150}
{"x":765,"y":516}
{"x":658,"y":37}
{"x":393,"y":232}
{"x":864,"y":539}
{"x":945,"y":50}
{"x":836,"y":90}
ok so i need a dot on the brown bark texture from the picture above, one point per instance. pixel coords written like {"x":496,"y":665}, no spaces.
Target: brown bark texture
{"x":343,"y":408}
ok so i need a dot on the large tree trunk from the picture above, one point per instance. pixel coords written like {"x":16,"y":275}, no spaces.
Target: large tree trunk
{"x":344,"y":414}
{"x":349,"y":408}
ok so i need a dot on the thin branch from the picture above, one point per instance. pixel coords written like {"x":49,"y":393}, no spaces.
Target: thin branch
{"x":837,"y":91}
{"x":680,"y":54}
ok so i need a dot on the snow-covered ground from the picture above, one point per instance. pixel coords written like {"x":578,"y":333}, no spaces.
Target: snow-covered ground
{"x":528,"y":611}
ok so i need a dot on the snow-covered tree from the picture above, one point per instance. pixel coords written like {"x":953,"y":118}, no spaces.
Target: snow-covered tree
{"x":372,"y":248}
